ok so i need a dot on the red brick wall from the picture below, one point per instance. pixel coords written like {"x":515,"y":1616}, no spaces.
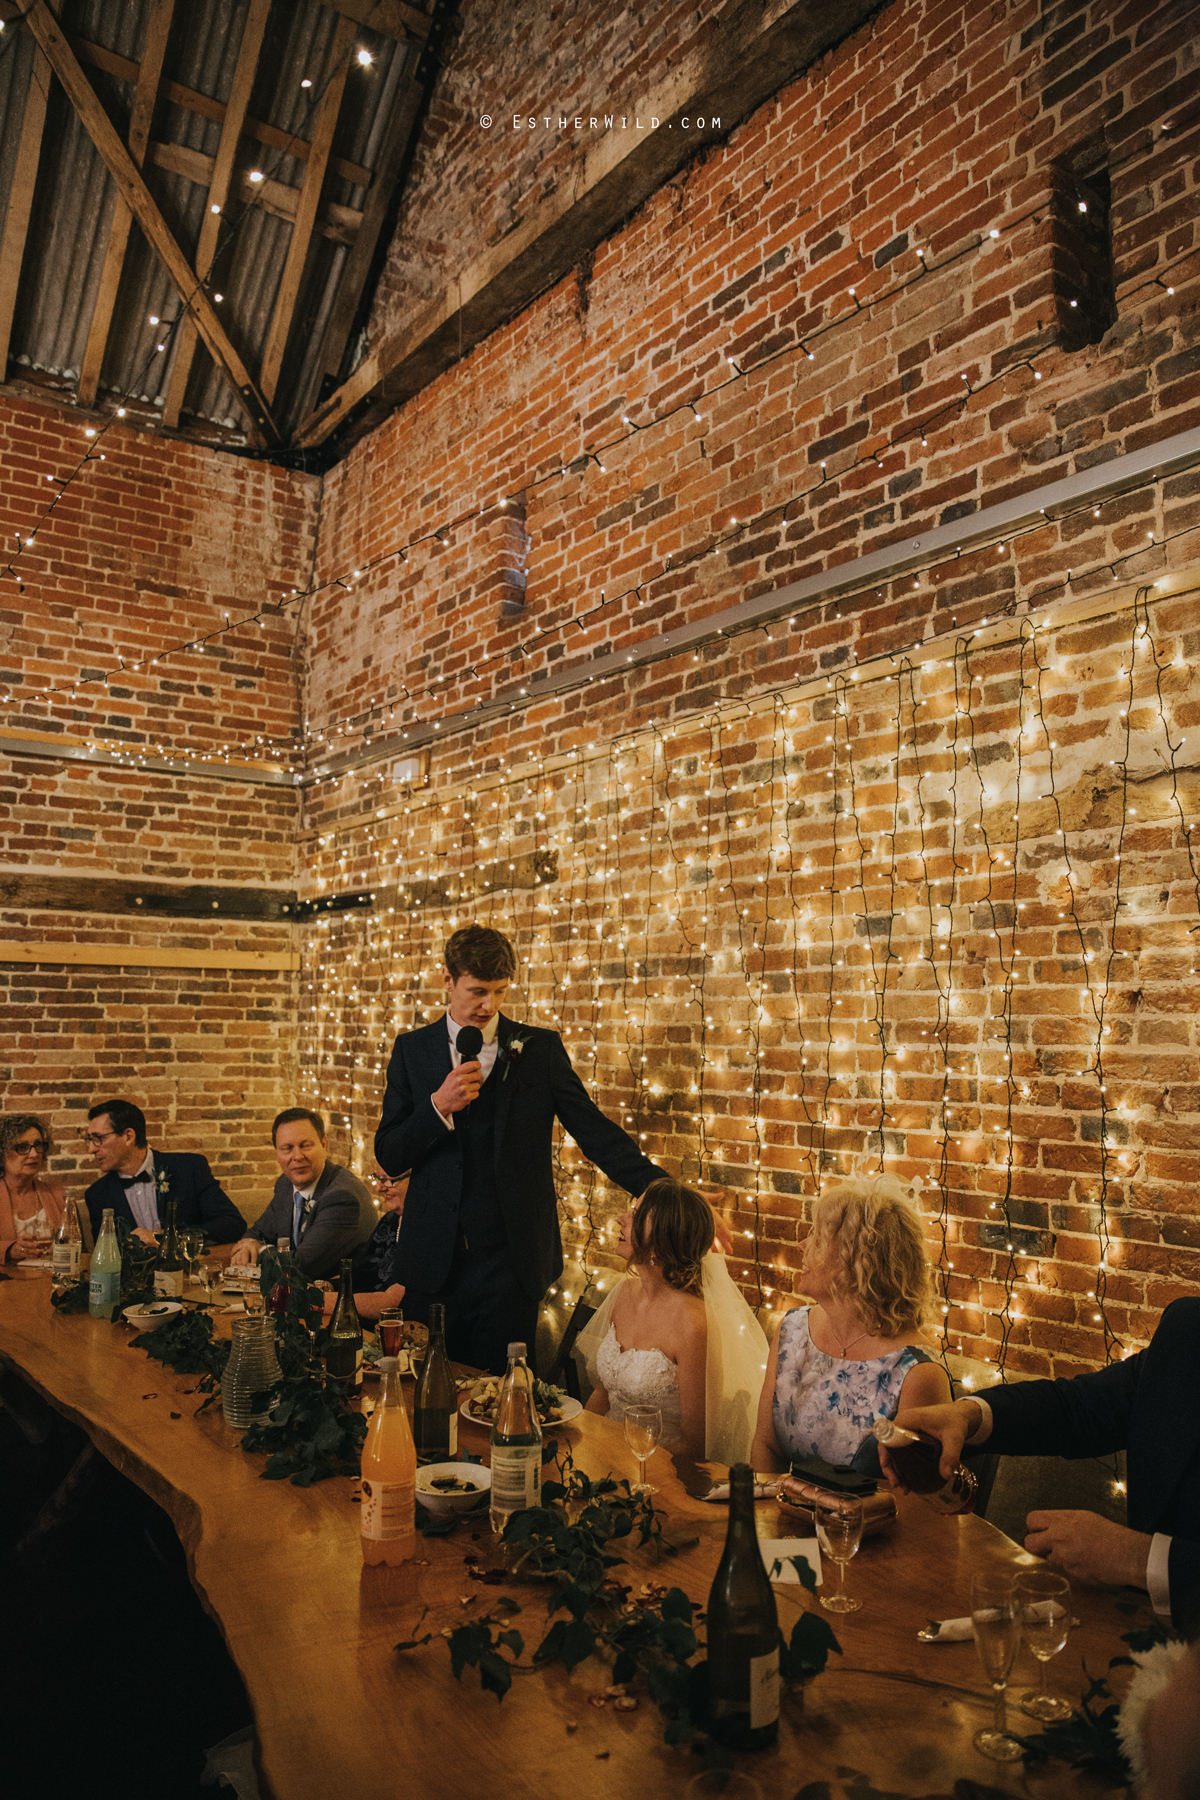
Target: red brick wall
{"x":152,"y":547}
{"x":941,"y":124}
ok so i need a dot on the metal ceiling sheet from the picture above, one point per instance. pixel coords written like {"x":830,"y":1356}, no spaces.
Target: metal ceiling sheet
{"x":73,"y":201}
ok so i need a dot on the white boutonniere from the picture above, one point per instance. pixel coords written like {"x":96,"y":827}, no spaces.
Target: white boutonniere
{"x":162,"y":1182}
{"x":512,"y":1050}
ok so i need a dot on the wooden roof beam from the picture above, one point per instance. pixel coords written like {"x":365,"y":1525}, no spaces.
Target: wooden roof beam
{"x":218,"y":194}
{"x":149,"y":74}
{"x":390,"y":18}
{"x":137,"y":195}
{"x":20,"y":199}
{"x":306,"y":211}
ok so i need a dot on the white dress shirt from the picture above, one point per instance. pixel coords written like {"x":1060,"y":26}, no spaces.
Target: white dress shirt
{"x":142,"y":1196}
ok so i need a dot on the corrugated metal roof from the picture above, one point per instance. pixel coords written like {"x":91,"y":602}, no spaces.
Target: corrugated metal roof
{"x":73,"y":201}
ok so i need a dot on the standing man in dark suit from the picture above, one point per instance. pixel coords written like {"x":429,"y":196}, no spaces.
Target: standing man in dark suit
{"x":1147,"y":1405}
{"x":323,"y":1209}
{"x":475,"y":1125}
{"x":137,"y":1182}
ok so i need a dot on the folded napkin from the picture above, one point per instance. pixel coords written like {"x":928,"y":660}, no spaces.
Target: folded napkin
{"x":957,"y":1631}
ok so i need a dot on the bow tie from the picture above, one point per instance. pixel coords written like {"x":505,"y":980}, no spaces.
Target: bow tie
{"x":132,"y":1180}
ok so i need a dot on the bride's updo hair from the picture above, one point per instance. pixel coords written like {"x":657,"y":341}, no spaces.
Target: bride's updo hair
{"x":872,"y":1227}
{"x":674,"y":1225}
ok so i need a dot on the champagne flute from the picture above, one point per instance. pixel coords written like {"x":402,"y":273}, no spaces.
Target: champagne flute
{"x":996,"y":1626}
{"x":839,"y":1522}
{"x":643,"y":1428}
{"x":1045,"y":1605}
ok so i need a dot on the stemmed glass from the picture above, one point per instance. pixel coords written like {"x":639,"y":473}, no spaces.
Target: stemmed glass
{"x":996,"y":1625}
{"x":643,"y":1428}
{"x":1045,"y":1604}
{"x":192,"y":1246}
{"x":839,"y":1522}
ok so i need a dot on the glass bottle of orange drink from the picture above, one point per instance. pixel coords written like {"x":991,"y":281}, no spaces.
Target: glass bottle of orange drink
{"x":389,"y":1476}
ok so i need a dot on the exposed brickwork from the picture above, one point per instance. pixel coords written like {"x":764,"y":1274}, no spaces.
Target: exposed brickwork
{"x":925,"y":133}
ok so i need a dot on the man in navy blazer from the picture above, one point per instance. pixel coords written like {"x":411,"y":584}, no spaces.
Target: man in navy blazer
{"x":480,"y":1227}
{"x":1147,"y":1405}
{"x":137,"y":1182}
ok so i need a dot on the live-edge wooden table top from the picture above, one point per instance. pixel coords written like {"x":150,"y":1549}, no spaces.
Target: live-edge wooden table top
{"x":339,"y":1711}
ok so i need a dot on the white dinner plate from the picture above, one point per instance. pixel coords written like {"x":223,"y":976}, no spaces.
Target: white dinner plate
{"x":569,"y":1409}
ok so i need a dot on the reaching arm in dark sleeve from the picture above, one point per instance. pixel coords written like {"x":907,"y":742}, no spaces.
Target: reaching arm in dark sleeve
{"x":610,"y":1148}
{"x":220,"y":1218}
{"x":1079,"y":1415}
{"x":409,"y":1127}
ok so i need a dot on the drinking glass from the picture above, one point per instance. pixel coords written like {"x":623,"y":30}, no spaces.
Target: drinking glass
{"x":643,"y":1428}
{"x":192,"y":1246}
{"x":391,"y":1333}
{"x":996,"y":1625}
{"x":839,"y":1522}
{"x":204,"y":1277}
{"x":1045,"y":1605}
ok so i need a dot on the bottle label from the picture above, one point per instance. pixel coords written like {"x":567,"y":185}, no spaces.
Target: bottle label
{"x":435,"y":1434}
{"x":339,"y":1367}
{"x":104,"y":1290}
{"x":65,"y":1261}
{"x":516,"y":1476}
{"x":764,"y":1689}
{"x":168,"y":1284}
{"x":388,"y":1509}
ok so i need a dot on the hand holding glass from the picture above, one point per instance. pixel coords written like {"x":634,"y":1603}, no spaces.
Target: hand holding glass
{"x":643,"y":1428}
{"x":839,"y":1522}
{"x":996,"y":1625}
{"x":1045,"y":1605}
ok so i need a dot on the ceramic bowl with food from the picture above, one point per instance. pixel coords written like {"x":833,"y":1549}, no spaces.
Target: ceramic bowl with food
{"x":456,"y":1487}
{"x":154,"y":1313}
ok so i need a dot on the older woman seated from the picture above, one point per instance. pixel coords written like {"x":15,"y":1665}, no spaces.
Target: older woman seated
{"x":838,"y":1365}
{"x":374,"y":1290}
{"x":31,"y":1206}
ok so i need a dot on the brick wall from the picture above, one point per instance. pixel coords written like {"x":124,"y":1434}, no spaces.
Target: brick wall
{"x":844,"y":781}
{"x":151,"y":548}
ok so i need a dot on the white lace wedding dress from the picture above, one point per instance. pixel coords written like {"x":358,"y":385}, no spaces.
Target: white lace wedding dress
{"x":735,"y":1361}
{"x":641,"y":1378}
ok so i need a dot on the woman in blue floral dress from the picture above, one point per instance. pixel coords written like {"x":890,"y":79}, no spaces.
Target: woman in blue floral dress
{"x":843,"y":1362}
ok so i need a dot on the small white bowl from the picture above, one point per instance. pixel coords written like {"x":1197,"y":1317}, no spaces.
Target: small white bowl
{"x":146,"y":1318}
{"x":435,"y":1502}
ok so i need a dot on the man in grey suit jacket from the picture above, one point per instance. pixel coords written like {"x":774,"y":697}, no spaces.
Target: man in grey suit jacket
{"x":323,"y":1210}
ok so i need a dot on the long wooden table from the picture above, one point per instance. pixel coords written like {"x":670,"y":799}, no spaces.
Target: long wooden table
{"x":339,"y":1711}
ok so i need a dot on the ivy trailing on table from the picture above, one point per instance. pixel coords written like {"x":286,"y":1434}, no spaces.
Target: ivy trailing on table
{"x":312,"y":1432}
{"x":573,"y":1536}
{"x":1089,"y":1739}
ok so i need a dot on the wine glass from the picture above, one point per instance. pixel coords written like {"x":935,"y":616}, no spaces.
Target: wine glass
{"x":192,"y":1246}
{"x":996,"y":1626}
{"x":643,"y":1428}
{"x":839,"y":1522}
{"x":1045,"y":1605}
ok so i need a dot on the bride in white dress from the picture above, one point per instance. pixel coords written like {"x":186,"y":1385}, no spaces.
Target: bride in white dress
{"x":676,"y":1334}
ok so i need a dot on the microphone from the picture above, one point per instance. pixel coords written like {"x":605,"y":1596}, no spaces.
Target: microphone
{"x":469,"y":1043}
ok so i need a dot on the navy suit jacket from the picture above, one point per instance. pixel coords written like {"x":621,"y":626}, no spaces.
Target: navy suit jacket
{"x":1148,"y":1406}
{"x":190,"y":1183}
{"x":537,"y":1086}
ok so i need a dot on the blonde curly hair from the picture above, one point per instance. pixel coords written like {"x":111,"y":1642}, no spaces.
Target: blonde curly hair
{"x":873,"y":1230}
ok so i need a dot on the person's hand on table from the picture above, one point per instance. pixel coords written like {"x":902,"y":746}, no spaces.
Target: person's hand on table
{"x":19,"y":1250}
{"x":952,"y":1424}
{"x":1087,"y":1547}
{"x":245,"y":1251}
{"x":145,"y":1237}
{"x":460,"y":1087}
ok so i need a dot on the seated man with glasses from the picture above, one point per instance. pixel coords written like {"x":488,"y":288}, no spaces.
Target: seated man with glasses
{"x":321,"y":1208}
{"x":137,"y":1182}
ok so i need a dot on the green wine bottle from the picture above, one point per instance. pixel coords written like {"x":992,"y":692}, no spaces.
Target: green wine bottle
{"x":516,"y":1443}
{"x":743,"y":1631}
{"x":435,"y":1406}
{"x":168,"y":1270}
{"x":344,"y":1343}
{"x":104,"y":1280}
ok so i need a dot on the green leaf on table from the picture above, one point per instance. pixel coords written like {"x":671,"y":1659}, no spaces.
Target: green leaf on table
{"x":807,"y":1652}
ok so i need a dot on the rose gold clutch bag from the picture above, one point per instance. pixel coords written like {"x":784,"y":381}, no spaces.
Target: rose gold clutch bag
{"x":797,"y":1497}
